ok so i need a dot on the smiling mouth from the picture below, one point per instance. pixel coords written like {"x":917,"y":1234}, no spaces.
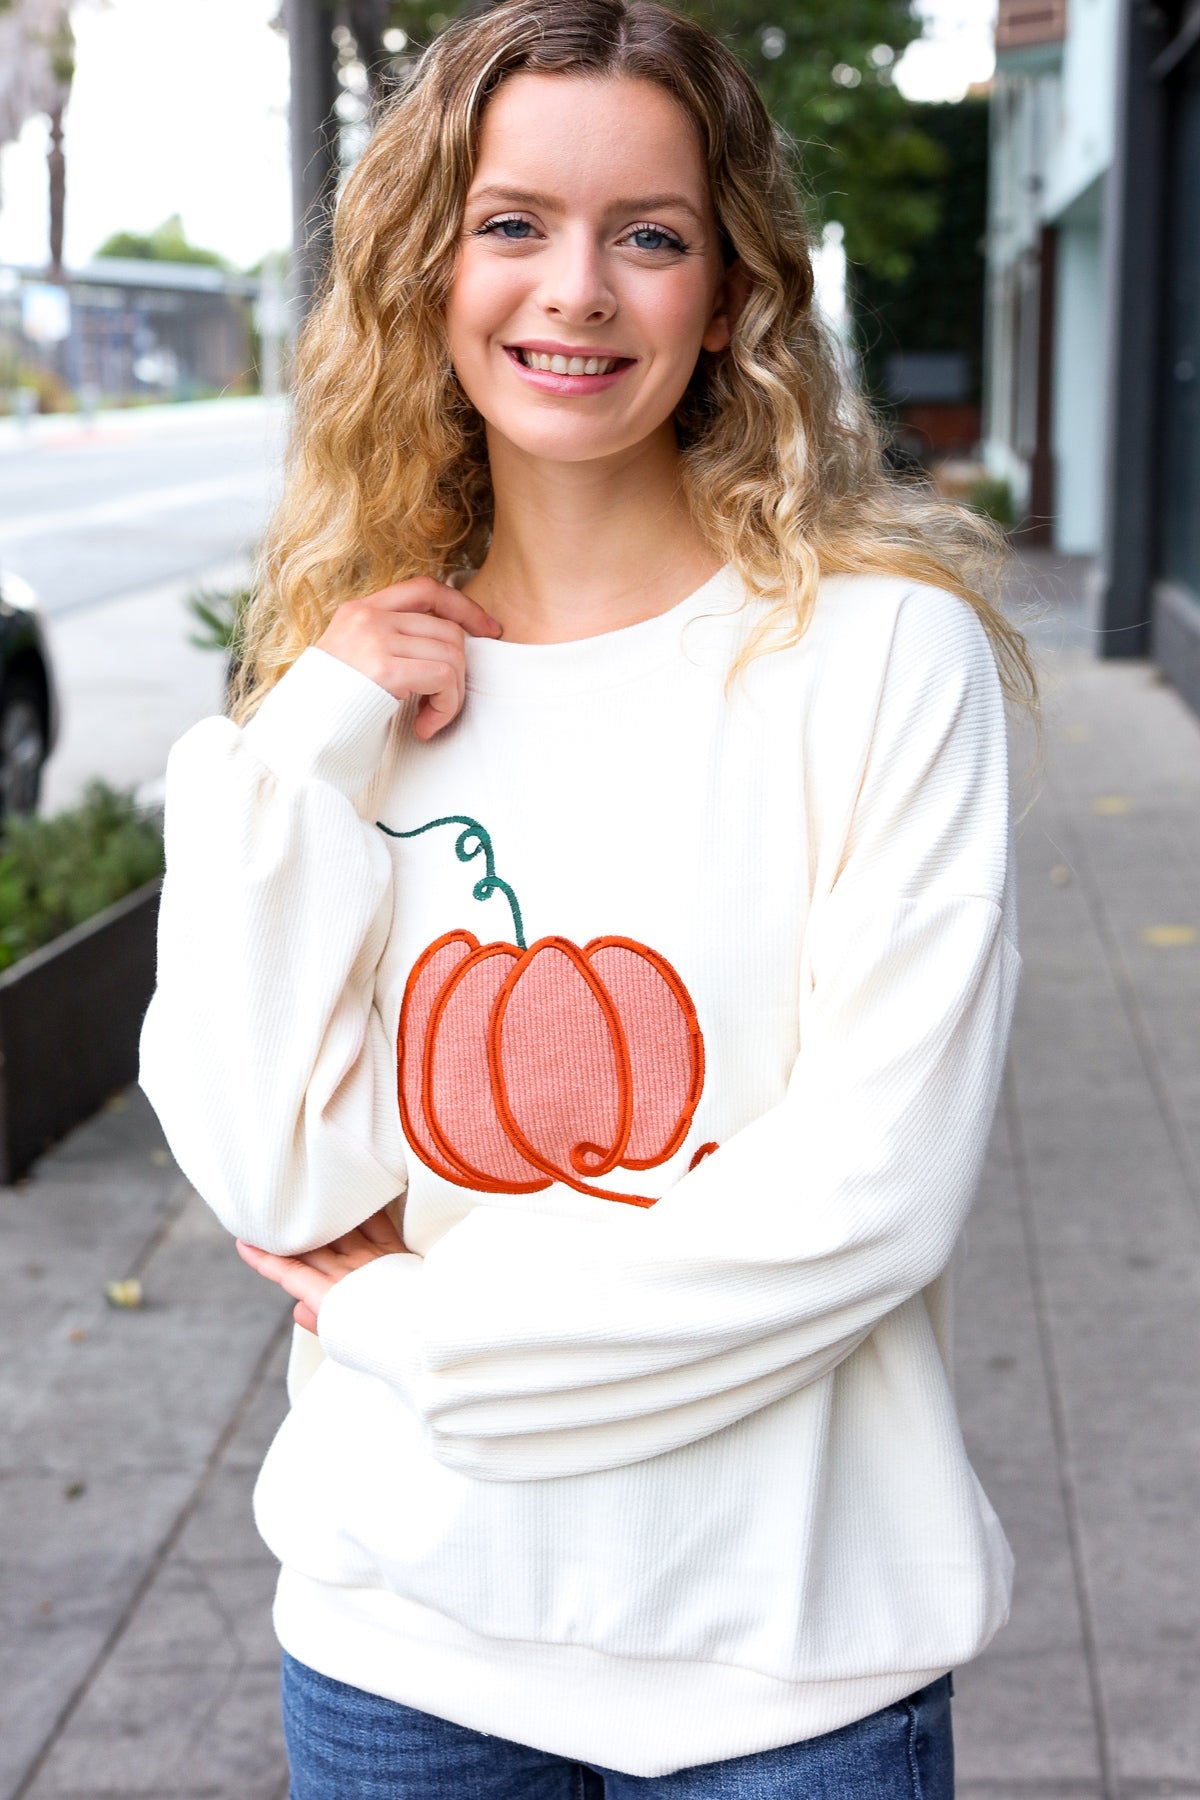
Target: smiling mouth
{"x":567,"y":365}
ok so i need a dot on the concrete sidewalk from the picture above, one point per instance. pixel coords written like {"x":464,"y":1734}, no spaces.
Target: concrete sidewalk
{"x":18,"y":435}
{"x":132,"y":682}
{"x":136,"y":1654}
{"x":136,"y":1650}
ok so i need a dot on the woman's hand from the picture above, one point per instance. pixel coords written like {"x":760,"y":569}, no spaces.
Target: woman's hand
{"x":308,"y":1278}
{"x":409,"y":639}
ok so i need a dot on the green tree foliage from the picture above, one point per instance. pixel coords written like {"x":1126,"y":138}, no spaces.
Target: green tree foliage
{"x":824,"y":68}
{"x":166,"y":243}
{"x":419,"y":21}
{"x":937,"y":303}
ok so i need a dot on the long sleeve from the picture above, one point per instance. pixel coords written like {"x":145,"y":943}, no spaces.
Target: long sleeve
{"x":535,"y":1346}
{"x":262,"y":1051}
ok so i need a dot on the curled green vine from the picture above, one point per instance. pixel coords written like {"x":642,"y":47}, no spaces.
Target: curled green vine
{"x":473,"y":841}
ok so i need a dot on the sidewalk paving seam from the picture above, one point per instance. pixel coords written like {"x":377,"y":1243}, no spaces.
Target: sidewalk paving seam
{"x":1058,"y":1425}
{"x":156,"y":1561}
{"x":162,"y":1231}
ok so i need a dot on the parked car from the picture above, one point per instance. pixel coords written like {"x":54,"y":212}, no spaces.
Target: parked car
{"x":28,"y":701}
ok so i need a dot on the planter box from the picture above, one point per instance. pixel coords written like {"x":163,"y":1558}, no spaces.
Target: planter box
{"x":70,"y":1016}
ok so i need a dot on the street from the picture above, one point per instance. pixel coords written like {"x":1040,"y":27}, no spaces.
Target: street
{"x":92,"y":513}
{"x":115,"y":522}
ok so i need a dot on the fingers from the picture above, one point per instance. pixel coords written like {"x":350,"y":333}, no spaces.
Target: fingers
{"x":408,"y":651}
{"x":335,"y":1260}
{"x":296,"y":1277}
{"x":434,"y":712}
{"x":359,"y":630}
{"x":348,"y":1253}
{"x":424,"y":595}
{"x":432,"y":666}
{"x":442,"y":688}
{"x":308,"y":1278}
{"x":379,"y":1230}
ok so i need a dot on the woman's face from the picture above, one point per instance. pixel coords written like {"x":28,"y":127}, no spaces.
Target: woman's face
{"x":589,"y":238}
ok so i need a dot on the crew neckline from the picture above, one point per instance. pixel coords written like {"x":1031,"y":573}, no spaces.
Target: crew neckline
{"x":607,"y":659}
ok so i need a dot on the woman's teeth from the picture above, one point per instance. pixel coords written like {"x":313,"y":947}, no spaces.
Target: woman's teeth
{"x":567,"y":365}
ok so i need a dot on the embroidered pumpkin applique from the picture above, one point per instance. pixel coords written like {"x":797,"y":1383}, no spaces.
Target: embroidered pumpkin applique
{"x":524,"y":1064}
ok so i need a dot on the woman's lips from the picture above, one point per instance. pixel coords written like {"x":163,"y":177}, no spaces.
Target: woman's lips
{"x":549,"y":383}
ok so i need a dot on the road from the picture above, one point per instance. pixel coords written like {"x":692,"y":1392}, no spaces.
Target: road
{"x":115,"y":523}
{"x":89,"y":514}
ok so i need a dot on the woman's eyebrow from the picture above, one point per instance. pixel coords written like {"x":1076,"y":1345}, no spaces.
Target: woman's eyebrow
{"x":652,"y":202}
{"x":512,"y":196}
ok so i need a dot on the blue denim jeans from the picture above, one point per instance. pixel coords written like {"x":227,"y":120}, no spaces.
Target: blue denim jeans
{"x":344,"y":1744}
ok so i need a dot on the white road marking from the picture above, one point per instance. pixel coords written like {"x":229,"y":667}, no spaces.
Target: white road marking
{"x":131,"y":507}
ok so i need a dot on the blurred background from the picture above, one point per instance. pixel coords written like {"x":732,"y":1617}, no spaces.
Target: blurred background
{"x":1006,"y":203}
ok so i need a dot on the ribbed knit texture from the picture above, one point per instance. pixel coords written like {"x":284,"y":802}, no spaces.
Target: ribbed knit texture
{"x":642,"y":1484}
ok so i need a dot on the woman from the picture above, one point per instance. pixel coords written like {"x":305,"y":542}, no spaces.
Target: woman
{"x":609,"y":864}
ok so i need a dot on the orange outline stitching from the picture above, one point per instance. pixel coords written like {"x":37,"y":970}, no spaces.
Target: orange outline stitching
{"x":477,"y":1178}
{"x":456,"y":1168}
{"x":415,"y":973}
{"x":696,"y":1042}
{"x":612,"y":1156}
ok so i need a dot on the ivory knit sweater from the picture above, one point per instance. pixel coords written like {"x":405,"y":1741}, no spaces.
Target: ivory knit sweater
{"x":679,"y":1010}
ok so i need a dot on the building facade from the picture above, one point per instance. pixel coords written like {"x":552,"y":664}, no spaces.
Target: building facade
{"x":121,"y":330}
{"x":1092,"y":365}
{"x":1051,"y":154}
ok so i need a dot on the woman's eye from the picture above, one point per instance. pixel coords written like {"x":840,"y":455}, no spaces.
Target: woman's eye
{"x":653,"y":237}
{"x":513,"y":231}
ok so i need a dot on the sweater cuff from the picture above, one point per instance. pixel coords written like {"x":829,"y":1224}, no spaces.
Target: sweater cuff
{"x":368,"y":1320}
{"x":323,"y":720}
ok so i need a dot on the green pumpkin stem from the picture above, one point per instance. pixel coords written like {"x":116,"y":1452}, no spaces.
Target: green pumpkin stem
{"x":472,"y":842}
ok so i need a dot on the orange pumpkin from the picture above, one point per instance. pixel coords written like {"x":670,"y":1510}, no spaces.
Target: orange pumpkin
{"x":523,"y":1065}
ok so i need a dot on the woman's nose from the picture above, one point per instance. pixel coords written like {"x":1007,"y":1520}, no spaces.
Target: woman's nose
{"x":575,"y":284}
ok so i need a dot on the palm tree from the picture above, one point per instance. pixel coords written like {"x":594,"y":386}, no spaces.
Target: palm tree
{"x":37,"y":63}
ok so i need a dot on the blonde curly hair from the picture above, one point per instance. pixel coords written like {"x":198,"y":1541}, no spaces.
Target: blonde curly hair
{"x":781,"y":460}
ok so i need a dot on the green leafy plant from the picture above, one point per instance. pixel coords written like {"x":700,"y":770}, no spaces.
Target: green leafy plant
{"x":50,"y":392}
{"x":220,"y":614}
{"x":57,"y":872}
{"x":992,"y":496}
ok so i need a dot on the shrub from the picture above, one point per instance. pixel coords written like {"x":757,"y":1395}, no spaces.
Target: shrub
{"x":993,"y":497}
{"x":49,"y":392}
{"x":220,"y":614}
{"x":55,"y":873}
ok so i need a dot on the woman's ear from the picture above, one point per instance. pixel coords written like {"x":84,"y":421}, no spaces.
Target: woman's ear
{"x":732,"y":295}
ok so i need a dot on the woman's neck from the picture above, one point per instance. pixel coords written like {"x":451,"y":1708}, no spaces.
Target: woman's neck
{"x":583,"y":548}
